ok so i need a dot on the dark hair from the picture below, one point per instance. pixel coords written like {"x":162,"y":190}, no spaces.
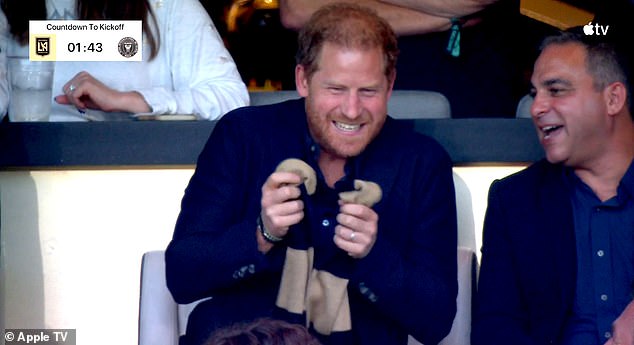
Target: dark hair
{"x":604,"y":61}
{"x":19,"y":12}
{"x":346,"y":25}
{"x":263,"y":332}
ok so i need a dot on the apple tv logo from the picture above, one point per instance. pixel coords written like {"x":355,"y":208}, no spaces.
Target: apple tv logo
{"x":595,"y":29}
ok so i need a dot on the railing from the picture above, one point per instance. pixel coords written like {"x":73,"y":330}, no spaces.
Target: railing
{"x":166,"y":143}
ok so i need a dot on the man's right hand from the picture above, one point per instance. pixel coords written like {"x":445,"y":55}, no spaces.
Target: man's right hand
{"x":281,"y":206}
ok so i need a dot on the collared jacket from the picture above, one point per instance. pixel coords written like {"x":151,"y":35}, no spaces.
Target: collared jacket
{"x":405,"y":285}
{"x":528,"y":273}
{"x":528,"y":277}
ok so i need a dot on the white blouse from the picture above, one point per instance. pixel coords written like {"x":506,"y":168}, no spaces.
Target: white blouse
{"x":193,"y":72}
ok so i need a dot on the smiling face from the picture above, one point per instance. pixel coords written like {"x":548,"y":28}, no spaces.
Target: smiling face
{"x":346,"y":98}
{"x":570,"y":114}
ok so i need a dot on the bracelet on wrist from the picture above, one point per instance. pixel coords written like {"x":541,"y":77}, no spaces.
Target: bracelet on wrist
{"x":269,"y":237}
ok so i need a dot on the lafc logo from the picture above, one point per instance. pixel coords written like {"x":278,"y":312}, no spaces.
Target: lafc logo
{"x":128,"y":47}
{"x":42,"y":46}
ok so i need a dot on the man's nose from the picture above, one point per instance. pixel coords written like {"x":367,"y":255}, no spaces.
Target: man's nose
{"x":351,"y":107}
{"x":541,"y":104}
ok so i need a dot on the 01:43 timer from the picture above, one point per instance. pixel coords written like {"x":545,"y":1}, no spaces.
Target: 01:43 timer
{"x":76,"y":47}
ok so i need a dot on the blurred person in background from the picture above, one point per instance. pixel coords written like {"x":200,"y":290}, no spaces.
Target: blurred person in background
{"x":185,"y":69}
{"x":468,"y":50}
{"x":263,"y":332}
{"x":4,"y":84}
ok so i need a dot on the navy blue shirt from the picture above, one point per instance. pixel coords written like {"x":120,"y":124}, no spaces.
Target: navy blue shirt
{"x":605,"y":259}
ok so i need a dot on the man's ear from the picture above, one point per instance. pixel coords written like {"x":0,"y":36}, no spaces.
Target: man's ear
{"x":391,"y":80}
{"x":301,"y":81}
{"x":615,"y":97}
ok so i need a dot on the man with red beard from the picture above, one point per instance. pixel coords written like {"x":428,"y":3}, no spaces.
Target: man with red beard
{"x":254,"y":240}
{"x":558,"y":245}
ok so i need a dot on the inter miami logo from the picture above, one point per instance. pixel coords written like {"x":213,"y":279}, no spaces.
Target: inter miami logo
{"x":42,"y":46}
{"x":128,"y":47}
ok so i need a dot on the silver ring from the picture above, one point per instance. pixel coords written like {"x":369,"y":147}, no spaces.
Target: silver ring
{"x":352,"y":235}
{"x":71,"y":88}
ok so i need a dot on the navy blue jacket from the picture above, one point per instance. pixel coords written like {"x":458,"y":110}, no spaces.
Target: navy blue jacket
{"x":529,"y":266}
{"x":410,"y":273}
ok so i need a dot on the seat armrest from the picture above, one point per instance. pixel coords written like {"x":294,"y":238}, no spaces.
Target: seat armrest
{"x":158,"y":318}
{"x":161,"y":320}
{"x":460,"y":333}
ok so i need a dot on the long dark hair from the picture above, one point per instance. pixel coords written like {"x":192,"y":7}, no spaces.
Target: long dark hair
{"x":19,"y":12}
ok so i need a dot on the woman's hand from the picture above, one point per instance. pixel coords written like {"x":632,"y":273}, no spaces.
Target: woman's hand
{"x":85,"y":92}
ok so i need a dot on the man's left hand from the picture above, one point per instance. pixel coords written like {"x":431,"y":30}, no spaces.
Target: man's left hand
{"x":623,"y":328}
{"x":357,"y":229}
